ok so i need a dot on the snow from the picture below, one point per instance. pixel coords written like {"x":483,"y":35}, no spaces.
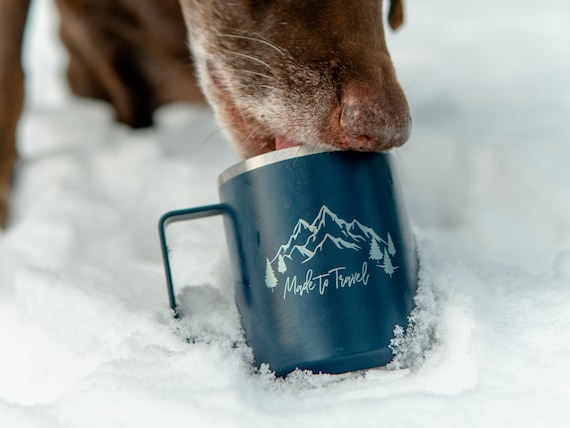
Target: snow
{"x":87,"y":337}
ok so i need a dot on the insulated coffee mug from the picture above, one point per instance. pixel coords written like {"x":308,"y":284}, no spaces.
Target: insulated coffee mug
{"x":323,"y":260}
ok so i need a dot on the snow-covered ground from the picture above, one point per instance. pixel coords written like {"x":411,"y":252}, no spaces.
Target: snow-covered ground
{"x":86,"y":335}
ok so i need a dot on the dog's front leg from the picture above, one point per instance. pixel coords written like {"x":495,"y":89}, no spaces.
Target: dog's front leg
{"x":12,"y":21}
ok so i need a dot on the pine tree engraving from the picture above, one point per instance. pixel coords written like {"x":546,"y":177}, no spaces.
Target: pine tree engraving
{"x":375,"y":251}
{"x":391,"y":248}
{"x":388,"y":266}
{"x":281,"y":266}
{"x":270,"y":279}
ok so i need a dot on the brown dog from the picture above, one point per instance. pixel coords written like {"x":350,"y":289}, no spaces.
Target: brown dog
{"x":278,"y":73}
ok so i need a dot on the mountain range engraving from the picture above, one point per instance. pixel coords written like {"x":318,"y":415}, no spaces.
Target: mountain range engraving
{"x":329,"y":235}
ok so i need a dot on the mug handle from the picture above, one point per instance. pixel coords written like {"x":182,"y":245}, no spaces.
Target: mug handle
{"x":173,"y":217}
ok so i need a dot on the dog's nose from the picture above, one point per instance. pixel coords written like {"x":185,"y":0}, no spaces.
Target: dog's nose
{"x":373,"y":122}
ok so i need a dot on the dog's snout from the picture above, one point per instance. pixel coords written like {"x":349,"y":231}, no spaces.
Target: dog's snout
{"x":321,"y":77}
{"x":372,"y":122}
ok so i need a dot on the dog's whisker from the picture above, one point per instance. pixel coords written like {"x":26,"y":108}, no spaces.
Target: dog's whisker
{"x":256,"y":39}
{"x":253,"y":131}
{"x":251,"y":58}
{"x":253,"y":86}
{"x":215,"y":132}
{"x":272,"y":44}
{"x":257,"y":73}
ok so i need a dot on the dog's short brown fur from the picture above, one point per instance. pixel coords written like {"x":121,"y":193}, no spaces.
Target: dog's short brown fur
{"x":277,"y":72}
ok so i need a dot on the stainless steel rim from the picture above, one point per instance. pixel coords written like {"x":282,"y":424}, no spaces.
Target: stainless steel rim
{"x":267,"y":159}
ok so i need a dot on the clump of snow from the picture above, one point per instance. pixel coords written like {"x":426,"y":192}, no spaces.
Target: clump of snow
{"x":412,"y":343}
{"x":88,"y":339}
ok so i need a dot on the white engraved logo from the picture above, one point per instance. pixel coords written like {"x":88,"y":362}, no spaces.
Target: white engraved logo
{"x":328,"y":234}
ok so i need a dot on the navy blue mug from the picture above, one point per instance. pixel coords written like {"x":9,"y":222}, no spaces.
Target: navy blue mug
{"x":323,"y":259}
